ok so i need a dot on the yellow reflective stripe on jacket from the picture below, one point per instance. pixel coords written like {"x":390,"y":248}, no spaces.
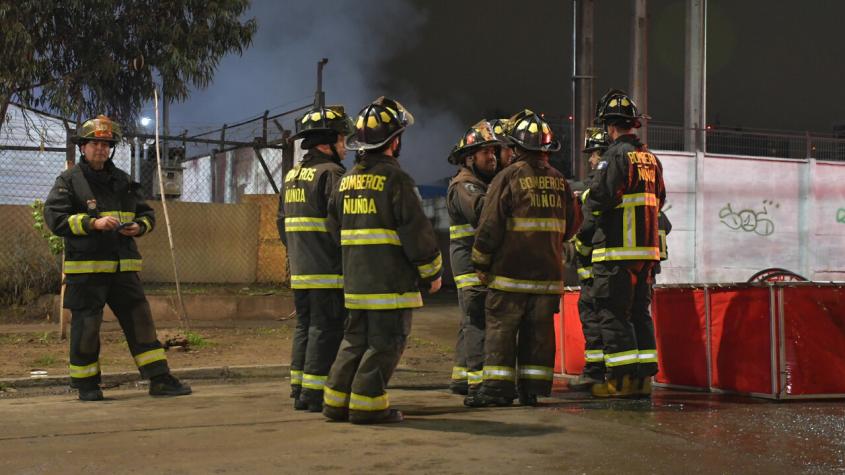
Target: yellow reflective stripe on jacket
{"x":131,"y":265}
{"x":147,"y":223}
{"x":313,"y":381}
{"x":661,"y":233}
{"x":305,"y":225}
{"x":459,"y":373}
{"x":86,"y":371}
{"x":460,"y":231}
{"x":148,"y":357}
{"x":626,"y":253}
{"x":594,"y":356}
{"x":585,"y":273}
{"x":584,"y":195}
{"x":475,"y":377}
{"x":90,"y":267}
{"x":541,"y":373}
{"x":295,"y":377}
{"x":359,"y":402}
{"x":498,"y":373}
{"x":122,"y":216}
{"x":647,"y":356}
{"x":581,"y":248}
{"x":432,"y":268}
{"x":383,"y":301}
{"x":480,"y":257}
{"x":467,"y":280}
{"x":638,"y":199}
{"x":526,"y":286}
{"x":335,"y":398}
{"x":75,"y":222}
{"x":363,"y":237}
{"x":622,"y":358}
{"x":316,"y":281}
{"x":537,"y":224}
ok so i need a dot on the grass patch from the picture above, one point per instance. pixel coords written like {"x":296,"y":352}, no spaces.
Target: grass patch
{"x":45,"y":361}
{"x":195,"y":340}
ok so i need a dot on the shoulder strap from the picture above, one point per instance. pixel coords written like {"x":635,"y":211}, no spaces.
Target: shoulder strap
{"x":83,"y":190}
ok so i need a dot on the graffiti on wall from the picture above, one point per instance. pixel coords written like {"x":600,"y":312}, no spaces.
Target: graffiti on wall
{"x":749,"y":220}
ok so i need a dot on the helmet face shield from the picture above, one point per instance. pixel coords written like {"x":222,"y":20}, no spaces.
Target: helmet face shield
{"x":378,"y":123}
{"x":596,"y":140}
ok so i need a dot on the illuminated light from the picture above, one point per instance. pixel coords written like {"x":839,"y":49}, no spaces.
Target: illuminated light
{"x":571,"y":117}
{"x":145,"y":121}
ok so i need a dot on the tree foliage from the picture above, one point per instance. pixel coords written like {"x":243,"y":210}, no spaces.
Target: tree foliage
{"x":80,"y":58}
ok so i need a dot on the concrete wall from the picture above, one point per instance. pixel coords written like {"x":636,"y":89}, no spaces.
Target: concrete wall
{"x":272,"y":255}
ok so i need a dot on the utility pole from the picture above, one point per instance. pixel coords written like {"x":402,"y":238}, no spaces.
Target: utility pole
{"x":639,"y":62}
{"x":695,"y":72}
{"x":583,"y":80}
{"x":165,"y":112}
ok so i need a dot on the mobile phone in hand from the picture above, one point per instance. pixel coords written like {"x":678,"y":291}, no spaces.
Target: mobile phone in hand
{"x":122,"y":225}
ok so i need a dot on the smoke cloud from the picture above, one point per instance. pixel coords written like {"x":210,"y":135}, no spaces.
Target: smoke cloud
{"x":278,"y":72}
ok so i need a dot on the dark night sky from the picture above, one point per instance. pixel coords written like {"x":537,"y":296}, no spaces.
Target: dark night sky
{"x":771,"y":64}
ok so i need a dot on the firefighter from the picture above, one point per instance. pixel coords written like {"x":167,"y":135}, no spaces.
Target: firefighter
{"x":627,"y":192}
{"x":389,"y":249}
{"x":475,"y":154}
{"x":595,"y":144}
{"x":99,"y":212}
{"x":529,"y":212}
{"x":313,"y":254}
{"x":504,"y":151}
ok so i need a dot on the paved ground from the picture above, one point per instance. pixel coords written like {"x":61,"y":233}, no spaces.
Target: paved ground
{"x":249,"y":426}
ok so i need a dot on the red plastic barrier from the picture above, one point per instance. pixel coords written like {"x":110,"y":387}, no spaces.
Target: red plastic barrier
{"x":680,"y":316}
{"x":813,"y":339}
{"x":573,"y":341}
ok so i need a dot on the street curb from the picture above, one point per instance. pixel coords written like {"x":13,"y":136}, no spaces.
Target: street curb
{"x":281,"y":371}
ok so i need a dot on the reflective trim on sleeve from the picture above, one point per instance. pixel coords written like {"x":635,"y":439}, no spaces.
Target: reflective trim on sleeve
{"x":480,"y":257}
{"x":122,"y":216}
{"x":621,"y":359}
{"x":358,"y":402}
{"x":432,"y":268}
{"x":90,"y":267}
{"x":537,"y":224}
{"x":542,"y":373}
{"x":475,"y":377}
{"x":461,"y":231}
{"x":364,"y":237}
{"x":149,"y":357}
{"x":526,"y":286}
{"x":146,"y":222}
{"x":314,"y":381}
{"x":594,"y":356}
{"x":316,"y":281}
{"x":638,"y":199}
{"x":305,"y":225}
{"x":585,"y":273}
{"x":467,"y":280}
{"x":131,"y":265}
{"x":581,"y":248}
{"x":85,"y":371}
{"x":584,"y":195}
{"x":335,"y":398}
{"x":498,"y":373}
{"x":647,"y":356}
{"x":296,"y":377}
{"x":459,"y":373}
{"x":383,"y":301}
{"x":626,"y":254}
{"x":75,"y":221}
{"x":664,"y":254}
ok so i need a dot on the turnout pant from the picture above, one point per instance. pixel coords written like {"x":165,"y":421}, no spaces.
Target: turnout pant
{"x":622,"y":292}
{"x":372,"y":345}
{"x":469,"y":351}
{"x":591,"y":326}
{"x":85,"y":297}
{"x":519,"y":326}
{"x":319,"y":329}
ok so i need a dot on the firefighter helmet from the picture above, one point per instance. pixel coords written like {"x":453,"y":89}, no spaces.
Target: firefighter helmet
{"x":323,"y":123}
{"x":478,"y":136}
{"x":100,"y":129}
{"x":617,"y":106}
{"x":378,"y":123}
{"x":596,"y":140}
{"x":531,"y":132}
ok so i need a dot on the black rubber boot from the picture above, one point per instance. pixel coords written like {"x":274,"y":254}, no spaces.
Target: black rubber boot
{"x":167,"y":385}
{"x":90,"y":394}
{"x":480,"y":399}
{"x":528,"y":399}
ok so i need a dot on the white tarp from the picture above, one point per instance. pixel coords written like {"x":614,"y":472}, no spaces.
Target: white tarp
{"x":734,"y":216}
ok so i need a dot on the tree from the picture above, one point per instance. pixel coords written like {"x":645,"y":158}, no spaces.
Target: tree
{"x":80,"y":58}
